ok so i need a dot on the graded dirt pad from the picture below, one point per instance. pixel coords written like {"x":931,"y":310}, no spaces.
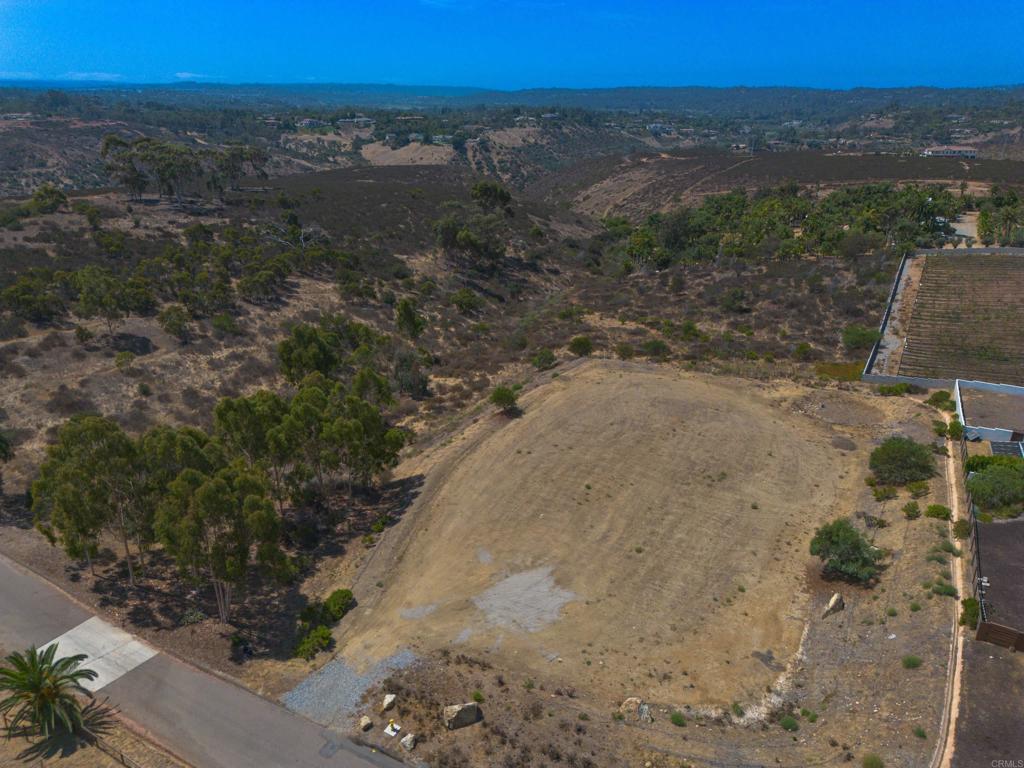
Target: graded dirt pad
{"x":636,"y":531}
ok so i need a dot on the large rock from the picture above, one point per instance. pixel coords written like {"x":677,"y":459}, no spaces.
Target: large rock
{"x":365,"y":723}
{"x":631,"y":707}
{"x":389,"y":702}
{"x":408,"y":742}
{"x":835,"y":605}
{"x":461,"y":715}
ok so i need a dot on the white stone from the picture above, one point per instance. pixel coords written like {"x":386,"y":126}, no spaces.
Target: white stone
{"x":389,"y":702}
{"x":408,"y":742}
{"x":365,"y":723}
{"x":835,"y":605}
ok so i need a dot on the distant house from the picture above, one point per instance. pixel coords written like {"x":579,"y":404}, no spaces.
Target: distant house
{"x":442,"y":138}
{"x":309,"y":122}
{"x":951,"y":151}
{"x":415,"y":136}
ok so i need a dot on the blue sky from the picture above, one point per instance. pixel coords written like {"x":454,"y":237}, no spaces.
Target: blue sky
{"x":517,"y":43}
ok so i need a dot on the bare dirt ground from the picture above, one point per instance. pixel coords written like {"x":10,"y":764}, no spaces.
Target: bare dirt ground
{"x":378,"y":153}
{"x":640,"y":531}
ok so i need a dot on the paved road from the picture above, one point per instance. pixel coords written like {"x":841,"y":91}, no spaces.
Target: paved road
{"x":205,"y":720}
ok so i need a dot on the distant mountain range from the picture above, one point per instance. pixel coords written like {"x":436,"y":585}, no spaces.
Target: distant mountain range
{"x":734,"y":102}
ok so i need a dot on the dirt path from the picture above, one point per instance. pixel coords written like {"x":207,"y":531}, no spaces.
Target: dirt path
{"x":945,"y":747}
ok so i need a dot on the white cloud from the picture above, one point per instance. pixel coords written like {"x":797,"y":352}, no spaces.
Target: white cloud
{"x":193,"y":76}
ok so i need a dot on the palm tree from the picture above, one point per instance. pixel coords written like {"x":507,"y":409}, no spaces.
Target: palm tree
{"x":40,"y":691}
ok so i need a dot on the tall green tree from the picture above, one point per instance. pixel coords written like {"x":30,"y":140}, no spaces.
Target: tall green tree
{"x":307,"y":350}
{"x":408,"y":318}
{"x":39,"y":691}
{"x":217,"y":527}
{"x":244,"y":423}
{"x":90,"y":482}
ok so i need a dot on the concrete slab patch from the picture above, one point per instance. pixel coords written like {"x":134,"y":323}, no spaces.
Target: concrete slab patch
{"x":111,"y":652}
{"x":527,"y":601}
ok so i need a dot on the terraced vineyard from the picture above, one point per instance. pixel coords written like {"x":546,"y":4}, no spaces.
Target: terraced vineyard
{"x":968,"y":319}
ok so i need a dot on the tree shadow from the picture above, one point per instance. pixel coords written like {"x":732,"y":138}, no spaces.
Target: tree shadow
{"x":14,"y":510}
{"x":98,"y":718}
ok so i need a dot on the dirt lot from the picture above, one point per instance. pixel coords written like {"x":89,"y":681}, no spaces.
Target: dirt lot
{"x":640,"y":531}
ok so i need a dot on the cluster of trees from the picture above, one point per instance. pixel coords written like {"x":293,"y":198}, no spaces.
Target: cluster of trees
{"x":478,"y":235}
{"x":845,"y":552}
{"x":215,"y":502}
{"x":173,"y":168}
{"x":997,"y":484}
{"x":1001,"y":219}
{"x":785,"y":222}
{"x":201,"y":279}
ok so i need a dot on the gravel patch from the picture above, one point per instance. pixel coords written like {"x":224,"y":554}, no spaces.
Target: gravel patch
{"x":331,"y":695}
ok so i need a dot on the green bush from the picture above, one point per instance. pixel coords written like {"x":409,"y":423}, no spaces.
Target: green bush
{"x":656,"y":349}
{"x":789,"y":723}
{"x":956,"y":430}
{"x":938,"y":511}
{"x":872,"y":760}
{"x":338,"y":603}
{"x":911,"y":662}
{"x":919,"y":732}
{"x":884,"y":492}
{"x":918,"y":488}
{"x":893,"y":390}
{"x":478,"y":697}
{"x":911,"y":510}
{"x":999,"y":488}
{"x":504,"y":398}
{"x":859,"y":337}
{"x":942,"y":400}
{"x":543,"y":359}
{"x":845,"y":551}
{"x":465,"y":300}
{"x":581,"y":346}
{"x":624,"y":351}
{"x":737,"y":710}
{"x":970,"y":612}
{"x":962,"y":529}
{"x":900,"y":460}
{"x":943,"y":589}
{"x":678,"y":718}
{"x":316,"y":640}
{"x":225,"y":325}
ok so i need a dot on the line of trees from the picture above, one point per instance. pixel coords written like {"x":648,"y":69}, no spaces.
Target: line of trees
{"x":217,"y":503}
{"x":173,"y":168}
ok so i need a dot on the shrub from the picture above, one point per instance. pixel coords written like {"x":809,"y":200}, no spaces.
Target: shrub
{"x":999,"y":488}
{"x":123,"y":361}
{"x":962,"y":529}
{"x":918,"y":488}
{"x":859,"y":337}
{"x":465,"y":300}
{"x":883,"y":492}
{"x":970,"y":612}
{"x":737,"y":710}
{"x":83,"y":335}
{"x":938,"y":512}
{"x":872,"y":760}
{"x":581,"y":346}
{"x":316,"y":640}
{"x":911,"y":662}
{"x":678,"y":718}
{"x":900,"y":460}
{"x":939,"y":428}
{"x":941,"y":400}
{"x":911,"y":510}
{"x":845,"y":551}
{"x":893,"y":390}
{"x":624,"y":351}
{"x":803,"y":352}
{"x":946,"y":590}
{"x":338,"y":603}
{"x":504,"y":398}
{"x":915,"y":607}
{"x":789,"y":723}
{"x":478,"y":697}
{"x":656,"y":348}
{"x":919,"y":732}
{"x":144,"y":389}
{"x":225,"y":325}
{"x":544,"y":359}
{"x":956,"y":430}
